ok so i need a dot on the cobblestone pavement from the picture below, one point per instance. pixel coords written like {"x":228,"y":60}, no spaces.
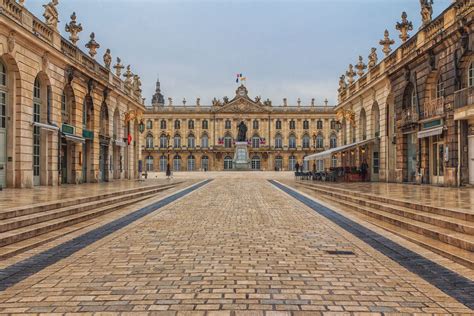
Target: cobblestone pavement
{"x":237,"y":244}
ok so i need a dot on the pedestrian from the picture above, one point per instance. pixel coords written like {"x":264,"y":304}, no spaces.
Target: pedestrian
{"x":168,"y":171}
{"x":297,"y":167}
{"x":364,"y":168}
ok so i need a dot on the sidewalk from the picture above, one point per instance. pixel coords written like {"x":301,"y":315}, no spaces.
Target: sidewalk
{"x":451,"y":198}
{"x":10,"y":198}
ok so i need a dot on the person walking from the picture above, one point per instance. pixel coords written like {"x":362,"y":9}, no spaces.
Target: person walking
{"x":168,"y":171}
{"x":297,"y":167}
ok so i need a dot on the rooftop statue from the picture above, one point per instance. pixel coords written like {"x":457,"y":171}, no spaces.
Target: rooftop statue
{"x":426,"y":11}
{"x":386,"y":43}
{"x":73,"y":28}
{"x":373,"y":58}
{"x":51,"y":14}
{"x":107,"y":59}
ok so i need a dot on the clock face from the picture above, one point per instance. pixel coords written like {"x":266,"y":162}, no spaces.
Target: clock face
{"x":242,"y":93}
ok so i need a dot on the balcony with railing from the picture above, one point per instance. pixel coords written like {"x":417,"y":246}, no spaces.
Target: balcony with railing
{"x":464,"y":97}
{"x":432,"y":108}
{"x":409,"y":116}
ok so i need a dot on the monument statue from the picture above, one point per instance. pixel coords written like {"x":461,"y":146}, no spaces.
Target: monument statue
{"x":242,"y":135}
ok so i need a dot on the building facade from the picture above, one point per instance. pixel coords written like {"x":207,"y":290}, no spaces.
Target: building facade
{"x":198,"y":137}
{"x":410,"y":116}
{"x":64,"y":118}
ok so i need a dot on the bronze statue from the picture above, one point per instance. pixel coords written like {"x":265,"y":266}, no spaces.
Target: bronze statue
{"x":242,"y":135}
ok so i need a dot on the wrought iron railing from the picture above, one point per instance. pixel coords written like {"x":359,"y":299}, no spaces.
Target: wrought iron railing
{"x":464,"y":97}
{"x":432,"y":108}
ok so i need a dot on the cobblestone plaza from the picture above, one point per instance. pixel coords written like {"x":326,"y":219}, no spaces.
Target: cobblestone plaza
{"x":110,"y":204}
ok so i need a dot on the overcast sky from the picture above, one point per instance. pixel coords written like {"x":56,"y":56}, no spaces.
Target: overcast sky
{"x":291,"y":48}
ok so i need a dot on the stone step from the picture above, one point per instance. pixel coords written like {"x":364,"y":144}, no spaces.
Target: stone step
{"x":449,"y":212}
{"x":31,"y":243}
{"x":460,"y":240}
{"x":458,"y":225}
{"x":34,"y":230}
{"x":454,"y":253}
{"x":38,"y":217}
{"x":47,"y":206}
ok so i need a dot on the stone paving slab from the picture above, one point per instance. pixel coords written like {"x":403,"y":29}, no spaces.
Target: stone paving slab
{"x":238,"y":245}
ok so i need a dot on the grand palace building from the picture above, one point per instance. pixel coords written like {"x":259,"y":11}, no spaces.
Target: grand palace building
{"x":203,"y":137}
{"x":411,"y":115}
{"x":64,"y":118}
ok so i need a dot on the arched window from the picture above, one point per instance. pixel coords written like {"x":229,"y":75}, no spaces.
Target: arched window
{"x":305,"y":124}
{"x":255,"y":162}
{"x":149,"y":163}
{"x":205,"y":163}
{"x":149,"y":141}
{"x":255,"y":124}
{"x":278,"y":124}
{"x":3,"y":122}
{"x":163,"y":141}
{"x":36,"y":130}
{"x":363,"y":125}
{"x":177,"y":163}
{"x":319,"y":124}
{"x":306,"y":141}
{"x":228,"y":163}
{"x":292,"y":163}
{"x":256,"y":141}
{"x":292,"y":141}
{"x":149,"y":124}
{"x":278,"y":141}
{"x":228,"y":124}
{"x":204,"y":141}
{"x":163,"y":163}
{"x":319,"y":141}
{"x":177,"y":124}
{"x":191,"y":141}
{"x":205,"y":124}
{"x":292,"y":124}
{"x":104,"y":120}
{"x":190,"y":124}
{"x":177,"y":141}
{"x":116,"y":124}
{"x":376,"y":119}
{"x":163,"y":124}
{"x":228,"y":141}
{"x":470,"y":75}
{"x":409,"y":97}
{"x":278,"y":163}
{"x":333,"y":141}
{"x":191,"y":163}
{"x":3,"y":75}
{"x":440,"y":88}
{"x":413,"y":99}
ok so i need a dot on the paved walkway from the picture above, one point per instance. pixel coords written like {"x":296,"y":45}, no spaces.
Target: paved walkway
{"x":234,"y":244}
{"x":10,"y":198}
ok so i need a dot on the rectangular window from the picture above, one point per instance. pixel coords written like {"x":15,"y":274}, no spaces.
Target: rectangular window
{"x":376,"y":162}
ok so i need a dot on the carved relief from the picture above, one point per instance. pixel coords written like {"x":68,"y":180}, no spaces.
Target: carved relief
{"x":11,"y":42}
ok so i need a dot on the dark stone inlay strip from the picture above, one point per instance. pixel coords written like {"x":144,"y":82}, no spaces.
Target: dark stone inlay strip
{"x":19,"y":271}
{"x":450,"y":282}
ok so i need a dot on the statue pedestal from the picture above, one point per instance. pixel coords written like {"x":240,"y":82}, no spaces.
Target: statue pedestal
{"x":241,"y":156}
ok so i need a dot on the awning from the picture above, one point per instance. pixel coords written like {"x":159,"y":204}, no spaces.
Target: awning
{"x":48,"y":127}
{"x":431,"y":132}
{"x":330,"y":152}
{"x":74,"y":138}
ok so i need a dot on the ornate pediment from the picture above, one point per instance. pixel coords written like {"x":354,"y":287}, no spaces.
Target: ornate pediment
{"x":241,"y":103}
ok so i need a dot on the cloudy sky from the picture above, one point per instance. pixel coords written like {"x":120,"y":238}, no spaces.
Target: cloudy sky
{"x":285,"y":48}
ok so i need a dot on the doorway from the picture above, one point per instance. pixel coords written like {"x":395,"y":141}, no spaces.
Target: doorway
{"x":411,"y":157}
{"x":437,"y":151}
